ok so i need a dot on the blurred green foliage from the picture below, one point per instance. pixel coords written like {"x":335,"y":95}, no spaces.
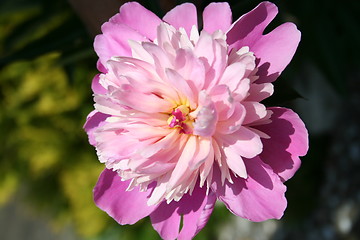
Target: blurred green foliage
{"x":46,"y":68}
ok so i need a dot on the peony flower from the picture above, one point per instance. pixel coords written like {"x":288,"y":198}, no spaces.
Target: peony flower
{"x":178,"y":119}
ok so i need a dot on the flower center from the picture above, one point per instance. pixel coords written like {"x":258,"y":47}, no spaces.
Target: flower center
{"x":180,"y":119}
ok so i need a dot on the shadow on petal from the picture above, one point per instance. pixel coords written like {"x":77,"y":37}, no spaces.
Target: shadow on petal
{"x":288,"y":141}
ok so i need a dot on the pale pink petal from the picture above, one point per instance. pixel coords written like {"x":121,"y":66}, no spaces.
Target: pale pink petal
{"x":96,"y":86}
{"x":234,"y":122}
{"x":181,"y":171}
{"x":214,"y":60}
{"x":140,"y":76}
{"x":113,"y":146}
{"x":190,"y":68}
{"x":259,"y":92}
{"x":224,"y":101}
{"x":258,"y":198}
{"x":195,"y":210}
{"x":183,"y":15}
{"x":159,"y":192}
{"x":93,"y":121}
{"x":107,"y":105}
{"x":126,"y":207}
{"x":205,"y":124}
{"x":148,"y":103}
{"x":217,"y":16}
{"x":232,"y":75}
{"x":254,"y":112}
{"x":235,"y":162}
{"x":241,"y":90}
{"x":205,"y":169}
{"x":114,"y":41}
{"x":166,"y":141}
{"x":139,"y":52}
{"x":288,"y":140}
{"x":138,"y":18}
{"x":158,"y":54}
{"x":244,"y":142}
{"x":176,"y":80}
{"x":202,"y":152}
{"x":275,"y":49}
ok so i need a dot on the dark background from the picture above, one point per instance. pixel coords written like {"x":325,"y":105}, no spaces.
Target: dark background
{"x":48,"y":169}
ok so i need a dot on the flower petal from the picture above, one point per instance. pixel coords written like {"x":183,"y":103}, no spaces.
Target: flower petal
{"x":114,"y":41}
{"x":206,"y":119}
{"x":190,"y":68}
{"x":235,"y":162}
{"x":195,"y":210}
{"x":148,"y":103}
{"x":178,"y":82}
{"x":181,"y":172}
{"x":249,"y":28}
{"x":214,"y":57}
{"x":138,"y":18}
{"x":183,"y":15}
{"x":244,"y":142}
{"x":288,"y":140}
{"x":274,"y":50}
{"x":96,"y":86}
{"x":126,"y":207}
{"x":258,"y":198}
{"x":166,"y":220}
{"x":259,"y":92}
{"x":254,"y":111}
{"x":234,"y":122}
{"x":93,"y":121}
{"x":195,"y":221}
{"x":217,"y":16}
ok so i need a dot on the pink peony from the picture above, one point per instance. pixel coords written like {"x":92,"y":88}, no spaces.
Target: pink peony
{"x":178,"y":119}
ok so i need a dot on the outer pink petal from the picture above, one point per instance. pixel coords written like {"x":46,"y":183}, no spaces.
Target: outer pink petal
{"x":126,"y":207}
{"x":258,"y":198}
{"x":195,"y":221}
{"x":114,"y":41}
{"x":166,"y":220}
{"x":274,"y":50}
{"x":93,"y":121}
{"x":195,"y":210}
{"x":249,"y":27}
{"x":138,"y":18}
{"x":288,"y":140}
{"x":217,"y":16}
{"x":183,"y":15}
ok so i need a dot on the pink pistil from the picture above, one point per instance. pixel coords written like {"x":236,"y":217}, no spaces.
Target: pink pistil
{"x":178,"y":118}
